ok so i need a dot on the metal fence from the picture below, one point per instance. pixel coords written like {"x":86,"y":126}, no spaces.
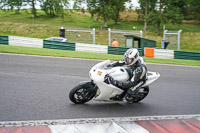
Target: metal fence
{"x":119,"y":35}
{"x":25,"y":41}
{"x":174,"y":39}
{"x":79,"y":37}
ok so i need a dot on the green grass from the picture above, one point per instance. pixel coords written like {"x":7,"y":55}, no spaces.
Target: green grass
{"x":73,"y":20}
{"x":173,"y":61}
{"x":87,"y":55}
{"x":77,"y":20}
{"x":44,"y":26}
{"x":57,"y":53}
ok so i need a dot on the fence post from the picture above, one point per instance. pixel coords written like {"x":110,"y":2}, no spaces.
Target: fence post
{"x":141,"y":33}
{"x":93,"y":35}
{"x":164,"y":35}
{"x":109,"y":36}
{"x":179,"y":39}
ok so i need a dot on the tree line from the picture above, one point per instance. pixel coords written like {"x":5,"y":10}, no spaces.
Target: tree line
{"x":168,"y":11}
{"x":50,"y":7}
{"x":154,"y":12}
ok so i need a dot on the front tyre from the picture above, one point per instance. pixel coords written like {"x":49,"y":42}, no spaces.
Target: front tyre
{"x":80,"y":95}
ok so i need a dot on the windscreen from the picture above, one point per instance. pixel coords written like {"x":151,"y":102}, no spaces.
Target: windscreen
{"x":103,"y":64}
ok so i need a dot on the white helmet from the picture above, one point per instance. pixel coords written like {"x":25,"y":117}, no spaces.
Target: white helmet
{"x":131,"y":56}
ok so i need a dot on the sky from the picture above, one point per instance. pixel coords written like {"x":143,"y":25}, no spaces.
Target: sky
{"x":134,"y":2}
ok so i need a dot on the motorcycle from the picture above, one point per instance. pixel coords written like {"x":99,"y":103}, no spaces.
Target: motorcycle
{"x":100,"y":88}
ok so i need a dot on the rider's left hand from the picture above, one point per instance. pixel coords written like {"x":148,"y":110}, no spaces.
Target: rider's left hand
{"x":109,"y":65}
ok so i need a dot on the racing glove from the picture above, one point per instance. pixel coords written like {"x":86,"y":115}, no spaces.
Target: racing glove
{"x":115,"y":82}
{"x":121,"y":84}
{"x":109,"y":65}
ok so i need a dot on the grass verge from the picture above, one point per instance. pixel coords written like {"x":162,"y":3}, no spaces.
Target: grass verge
{"x":87,"y":55}
{"x":44,"y":26}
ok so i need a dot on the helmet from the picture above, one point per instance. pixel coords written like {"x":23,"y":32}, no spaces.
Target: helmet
{"x":131,"y":56}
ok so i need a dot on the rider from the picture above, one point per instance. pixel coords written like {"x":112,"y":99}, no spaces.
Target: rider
{"x":136,"y":68}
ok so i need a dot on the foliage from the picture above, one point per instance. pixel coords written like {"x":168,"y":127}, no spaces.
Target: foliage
{"x":141,"y":11}
{"x":118,"y":6}
{"x":11,"y":4}
{"x":53,"y":7}
{"x":50,"y":7}
{"x":32,"y":3}
{"x":107,"y":9}
{"x":102,"y":8}
{"x":162,"y":12}
{"x":195,"y":9}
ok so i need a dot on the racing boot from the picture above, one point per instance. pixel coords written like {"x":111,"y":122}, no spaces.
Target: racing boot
{"x":117,"y":98}
{"x":131,"y":96}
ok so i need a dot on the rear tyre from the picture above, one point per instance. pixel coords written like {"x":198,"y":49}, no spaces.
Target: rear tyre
{"x":142,"y":93}
{"x":80,"y":95}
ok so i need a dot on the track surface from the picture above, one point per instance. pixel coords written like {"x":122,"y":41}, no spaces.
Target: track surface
{"x":37,"y":88}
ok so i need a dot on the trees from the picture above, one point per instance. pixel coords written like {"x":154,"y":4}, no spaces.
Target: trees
{"x":32,"y":3}
{"x":118,"y":6}
{"x":107,"y":9}
{"x":17,"y":4}
{"x":11,"y":4}
{"x":194,"y":6}
{"x":145,"y":14}
{"x":146,"y":6}
{"x":155,"y":12}
{"x":101,"y":8}
{"x":53,"y":7}
{"x":161,"y":11}
{"x":50,"y":7}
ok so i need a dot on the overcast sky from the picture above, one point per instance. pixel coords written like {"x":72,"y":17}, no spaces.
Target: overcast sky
{"x":134,"y":2}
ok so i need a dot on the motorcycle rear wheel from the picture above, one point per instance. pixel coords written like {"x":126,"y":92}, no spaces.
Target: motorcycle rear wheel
{"x":80,"y":95}
{"x":143,"y":92}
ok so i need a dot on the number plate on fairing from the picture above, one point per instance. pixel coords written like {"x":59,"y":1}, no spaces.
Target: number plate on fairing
{"x":99,"y":73}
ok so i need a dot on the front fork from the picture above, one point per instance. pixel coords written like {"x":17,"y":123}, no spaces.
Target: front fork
{"x":89,"y":85}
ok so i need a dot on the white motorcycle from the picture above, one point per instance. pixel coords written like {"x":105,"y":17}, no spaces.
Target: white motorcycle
{"x":100,"y":88}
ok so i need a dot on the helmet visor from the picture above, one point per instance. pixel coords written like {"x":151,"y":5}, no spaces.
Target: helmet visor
{"x":128,"y":60}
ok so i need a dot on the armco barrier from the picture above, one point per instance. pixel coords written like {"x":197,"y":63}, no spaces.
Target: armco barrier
{"x":91,"y":48}
{"x":186,"y":55}
{"x":34,"y":42}
{"x":3,"y":39}
{"x":164,"y":54}
{"x":58,"y":45}
{"x":122,"y":50}
{"x":25,"y":41}
{"x":159,"y":53}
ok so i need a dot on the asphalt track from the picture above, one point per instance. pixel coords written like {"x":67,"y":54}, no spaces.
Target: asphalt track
{"x":37,"y":88}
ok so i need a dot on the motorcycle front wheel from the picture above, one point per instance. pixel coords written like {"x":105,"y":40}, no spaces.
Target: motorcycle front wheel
{"x":80,"y":95}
